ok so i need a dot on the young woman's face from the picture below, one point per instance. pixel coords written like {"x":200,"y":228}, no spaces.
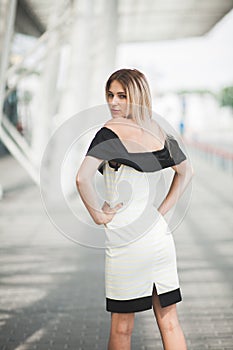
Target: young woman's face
{"x":117,"y":100}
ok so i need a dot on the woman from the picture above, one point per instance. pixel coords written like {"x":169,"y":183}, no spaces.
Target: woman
{"x":140,"y":271}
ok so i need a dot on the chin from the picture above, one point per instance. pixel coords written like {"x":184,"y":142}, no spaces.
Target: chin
{"x":116,"y":116}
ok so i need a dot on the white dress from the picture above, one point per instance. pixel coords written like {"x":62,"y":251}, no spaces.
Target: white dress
{"x":140,"y":251}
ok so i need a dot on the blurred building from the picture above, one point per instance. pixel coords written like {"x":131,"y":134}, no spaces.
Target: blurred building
{"x":56,"y":57}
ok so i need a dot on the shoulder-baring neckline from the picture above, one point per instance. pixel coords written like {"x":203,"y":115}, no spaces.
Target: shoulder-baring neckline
{"x":149,"y":152}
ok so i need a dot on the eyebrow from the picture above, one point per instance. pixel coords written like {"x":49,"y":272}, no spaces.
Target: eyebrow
{"x":121,"y":92}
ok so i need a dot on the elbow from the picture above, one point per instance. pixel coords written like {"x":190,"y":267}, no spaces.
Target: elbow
{"x":79,"y":180}
{"x":191,"y":171}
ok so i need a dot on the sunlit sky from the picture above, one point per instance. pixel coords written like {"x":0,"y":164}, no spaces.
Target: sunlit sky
{"x":193,"y":63}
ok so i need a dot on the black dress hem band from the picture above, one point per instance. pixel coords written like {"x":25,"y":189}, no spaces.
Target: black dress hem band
{"x":142,"y":304}
{"x":126,"y":306}
{"x":170,"y":298}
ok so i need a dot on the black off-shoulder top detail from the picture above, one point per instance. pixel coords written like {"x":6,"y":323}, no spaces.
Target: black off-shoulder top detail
{"x":106,"y":145}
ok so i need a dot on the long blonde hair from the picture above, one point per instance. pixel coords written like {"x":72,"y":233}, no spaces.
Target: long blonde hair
{"x":139,"y":96}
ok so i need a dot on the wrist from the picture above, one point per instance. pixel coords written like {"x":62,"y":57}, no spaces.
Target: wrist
{"x":100,"y":218}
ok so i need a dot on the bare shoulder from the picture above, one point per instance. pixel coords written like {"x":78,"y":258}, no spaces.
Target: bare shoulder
{"x":115,"y":122}
{"x":158,"y":131}
{"x":122,"y":126}
{"x":126,"y":129}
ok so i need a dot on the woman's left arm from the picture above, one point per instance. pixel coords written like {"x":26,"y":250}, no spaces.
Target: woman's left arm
{"x":182,"y":177}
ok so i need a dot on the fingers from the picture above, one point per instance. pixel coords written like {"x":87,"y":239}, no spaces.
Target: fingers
{"x":105,"y":206}
{"x":110,"y":212}
{"x":118,"y":206}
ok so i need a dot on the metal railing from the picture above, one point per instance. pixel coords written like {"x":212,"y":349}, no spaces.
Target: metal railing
{"x":221,"y":158}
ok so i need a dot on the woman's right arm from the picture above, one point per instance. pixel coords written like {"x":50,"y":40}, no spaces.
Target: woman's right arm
{"x":84,"y":183}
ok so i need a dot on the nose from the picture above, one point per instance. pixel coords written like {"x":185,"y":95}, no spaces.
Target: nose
{"x":115,"y":100}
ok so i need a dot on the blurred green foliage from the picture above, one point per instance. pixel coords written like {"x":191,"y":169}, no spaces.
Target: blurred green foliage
{"x":226,"y":96}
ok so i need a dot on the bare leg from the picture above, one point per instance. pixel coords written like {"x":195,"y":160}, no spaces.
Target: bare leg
{"x":121,"y":331}
{"x":169,"y":327}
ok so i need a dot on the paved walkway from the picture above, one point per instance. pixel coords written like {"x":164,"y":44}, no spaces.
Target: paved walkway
{"x":52,"y":290}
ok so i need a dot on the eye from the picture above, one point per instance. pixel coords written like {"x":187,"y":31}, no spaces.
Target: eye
{"x":110,"y":95}
{"x":122,"y":96}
